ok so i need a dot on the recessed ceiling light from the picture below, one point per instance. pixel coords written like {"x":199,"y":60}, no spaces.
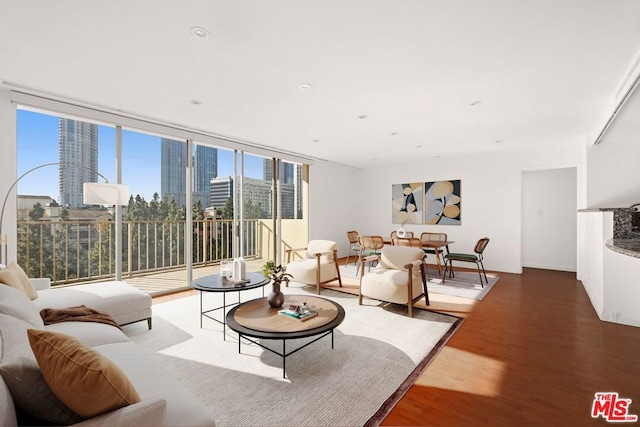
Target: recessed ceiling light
{"x":394,"y":133}
{"x":316,"y":140}
{"x":199,"y":32}
{"x":196,"y":102}
{"x":362,"y":116}
{"x":497,"y":141}
{"x":474,"y":103}
{"x":418,"y":146}
{"x":305,"y":86}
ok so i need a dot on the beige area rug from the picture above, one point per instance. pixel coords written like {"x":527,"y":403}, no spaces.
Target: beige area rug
{"x":465,"y":284}
{"x":378,"y":353}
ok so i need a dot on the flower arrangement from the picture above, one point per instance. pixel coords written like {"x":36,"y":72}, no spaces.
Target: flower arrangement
{"x":276,"y":272}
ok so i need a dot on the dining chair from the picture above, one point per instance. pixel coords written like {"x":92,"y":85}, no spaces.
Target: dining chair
{"x":369,"y":245}
{"x":354,"y":245}
{"x":439,"y":237}
{"x":477,"y":258}
{"x":407,"y":241}
{"x":407,"y":234}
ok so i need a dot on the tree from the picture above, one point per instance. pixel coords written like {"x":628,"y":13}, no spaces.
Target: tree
{"x":36,"y":213}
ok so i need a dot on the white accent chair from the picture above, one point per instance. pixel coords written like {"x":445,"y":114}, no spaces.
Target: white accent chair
{"x":399,"y":277}
{"x":318,"y":263}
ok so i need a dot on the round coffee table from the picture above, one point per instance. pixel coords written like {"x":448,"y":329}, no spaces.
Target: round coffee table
{"x":256,"y":319}
{"x":216,"y":283}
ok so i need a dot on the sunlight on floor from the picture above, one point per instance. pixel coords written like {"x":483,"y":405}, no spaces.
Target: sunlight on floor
{"x":481,"y":375}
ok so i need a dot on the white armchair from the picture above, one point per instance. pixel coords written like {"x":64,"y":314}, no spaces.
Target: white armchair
{"x":318,"y":263}
{"x":400,"y":277}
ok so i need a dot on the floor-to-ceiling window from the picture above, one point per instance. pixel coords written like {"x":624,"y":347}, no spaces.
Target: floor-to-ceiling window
{"x":58,"y":236}
{"x":191,"y":204}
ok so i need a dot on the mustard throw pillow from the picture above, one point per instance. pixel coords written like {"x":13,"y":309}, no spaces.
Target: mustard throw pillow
{"x":83,"y":379}
{"x":13,"y":275}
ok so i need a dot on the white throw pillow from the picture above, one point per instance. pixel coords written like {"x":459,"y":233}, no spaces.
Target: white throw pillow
{"x":17,"y":304}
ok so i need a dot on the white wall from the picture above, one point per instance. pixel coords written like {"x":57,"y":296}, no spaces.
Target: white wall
{"x":334,"y":198}
{"x":613,"y":166}
{"x":549,"y":211}
{"x":491,"y":197}
{"x":8,"y":165}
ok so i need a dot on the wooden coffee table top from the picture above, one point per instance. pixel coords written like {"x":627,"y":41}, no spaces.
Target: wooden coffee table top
{"x":257,"y":319}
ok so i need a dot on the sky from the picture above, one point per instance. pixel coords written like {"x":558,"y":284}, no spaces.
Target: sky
{"x":38,"y":144}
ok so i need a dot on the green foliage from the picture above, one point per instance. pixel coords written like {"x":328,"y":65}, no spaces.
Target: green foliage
{"x":275,"y":272}
{"x":36,"y":213}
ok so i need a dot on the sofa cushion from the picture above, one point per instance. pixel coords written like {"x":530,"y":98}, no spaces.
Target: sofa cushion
{"x":125,"y":303}
{"x":13,"y":275}
{"x":86,"y":381}
{"x":21,"y":373}
{"x":17,"y":304}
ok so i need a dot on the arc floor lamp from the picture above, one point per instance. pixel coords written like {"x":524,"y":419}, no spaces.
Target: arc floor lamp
{"x":94,"y":193}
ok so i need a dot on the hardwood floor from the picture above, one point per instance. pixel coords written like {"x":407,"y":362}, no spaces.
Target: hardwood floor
{"x":533,"y":352}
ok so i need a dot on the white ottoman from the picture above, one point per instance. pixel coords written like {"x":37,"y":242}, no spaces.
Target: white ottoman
{"x":125,"y":303}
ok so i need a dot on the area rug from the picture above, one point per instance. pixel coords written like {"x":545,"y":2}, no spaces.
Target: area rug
{"x":465,"y":284}
{"x":379,"y":351}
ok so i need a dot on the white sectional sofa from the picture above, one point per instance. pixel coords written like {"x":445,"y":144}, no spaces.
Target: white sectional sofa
{"x":125,"y":303}
{"x":25,"y":398}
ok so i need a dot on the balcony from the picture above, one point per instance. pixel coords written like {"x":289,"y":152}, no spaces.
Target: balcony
{"x":74,"y":252}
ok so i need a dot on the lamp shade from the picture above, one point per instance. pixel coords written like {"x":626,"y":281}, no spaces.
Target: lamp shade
{"x":95,"y":193}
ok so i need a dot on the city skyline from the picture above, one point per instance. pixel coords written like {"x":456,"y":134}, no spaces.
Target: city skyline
{"x":38,"y":143}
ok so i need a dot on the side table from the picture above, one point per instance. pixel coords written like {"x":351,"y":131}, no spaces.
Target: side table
{"x":216,"y":283}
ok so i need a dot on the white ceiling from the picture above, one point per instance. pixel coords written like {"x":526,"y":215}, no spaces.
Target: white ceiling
{"x":544,"y":70}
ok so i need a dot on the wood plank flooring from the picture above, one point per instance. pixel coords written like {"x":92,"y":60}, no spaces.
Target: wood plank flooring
{"x":532,"y":353}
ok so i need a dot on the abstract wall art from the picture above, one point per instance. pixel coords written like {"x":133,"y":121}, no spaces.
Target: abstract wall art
{"x":442,"y":202}
{"x":406,"y":207}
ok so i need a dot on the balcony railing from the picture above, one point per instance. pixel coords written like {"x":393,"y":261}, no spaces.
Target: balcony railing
{"x":73,"y":251}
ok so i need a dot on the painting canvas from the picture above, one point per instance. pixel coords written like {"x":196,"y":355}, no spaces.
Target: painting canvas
{"x":406,"y":205}
{"x":442,"y":202}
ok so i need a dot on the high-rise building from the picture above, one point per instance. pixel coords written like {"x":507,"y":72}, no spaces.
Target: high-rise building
{"x":287,"y":171}
{"x":256,"y":191}
{"x":205,"y":168}
{"x":78,"y":157}
{"x":173,"y":163}
{"x":173,"y":160}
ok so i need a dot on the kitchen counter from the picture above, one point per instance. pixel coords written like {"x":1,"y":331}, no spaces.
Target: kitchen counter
{"x":629,"y":247}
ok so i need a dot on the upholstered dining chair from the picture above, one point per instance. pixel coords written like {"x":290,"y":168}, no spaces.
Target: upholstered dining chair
{"x":354,"y":246}
{"x":477,"y":257}
{"x":318,"y":263}
{"x":369,"y":246}
{"x":399,"y":277}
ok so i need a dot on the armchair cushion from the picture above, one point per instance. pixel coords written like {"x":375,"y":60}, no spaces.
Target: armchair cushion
{"x":396,"y":257}
{"x":304,"y":271}
{"x":325,"y":247}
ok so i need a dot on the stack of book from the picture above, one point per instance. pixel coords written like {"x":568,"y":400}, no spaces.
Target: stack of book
{"x":298,"y":316}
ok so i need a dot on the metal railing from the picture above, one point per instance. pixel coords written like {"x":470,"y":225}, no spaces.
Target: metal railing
{"x":81,"y":251}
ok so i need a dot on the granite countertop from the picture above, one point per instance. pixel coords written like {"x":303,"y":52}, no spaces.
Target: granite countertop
{"x":629,"y":247}
{"x":606,"y":210}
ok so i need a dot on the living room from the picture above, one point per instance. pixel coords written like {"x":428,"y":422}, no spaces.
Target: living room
{"x":349,"y":187}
